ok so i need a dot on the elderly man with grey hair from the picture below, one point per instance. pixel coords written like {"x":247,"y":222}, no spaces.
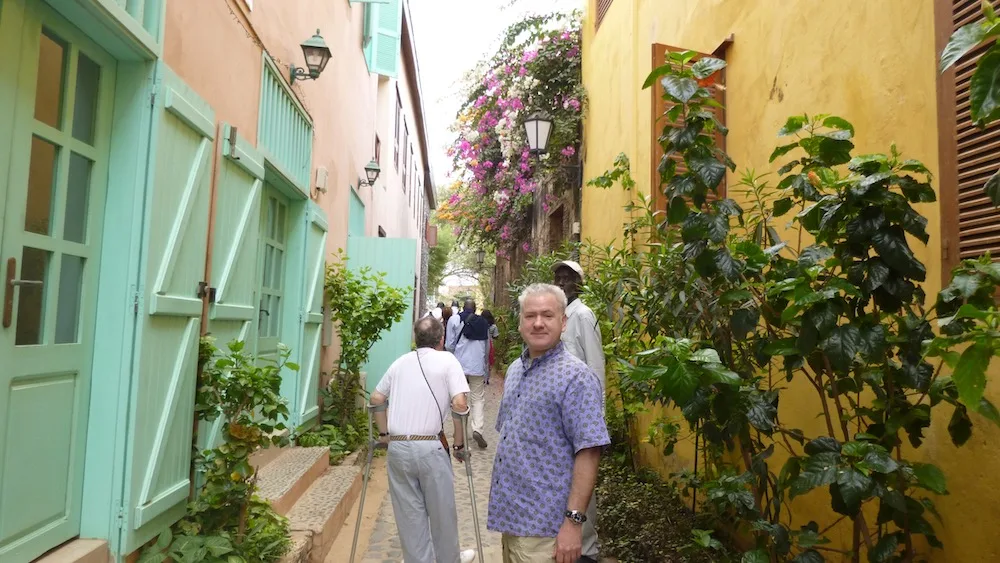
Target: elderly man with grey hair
{"x":423,"y":384}
{"x":552,"y":431}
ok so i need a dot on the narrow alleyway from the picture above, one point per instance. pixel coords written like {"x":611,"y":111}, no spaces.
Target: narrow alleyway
{"x":383,"y":546}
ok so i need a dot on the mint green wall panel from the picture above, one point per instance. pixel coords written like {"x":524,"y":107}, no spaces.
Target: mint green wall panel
{"x":169,"y":313}
{"x":356,"y":217}
{"x":397,"y":258}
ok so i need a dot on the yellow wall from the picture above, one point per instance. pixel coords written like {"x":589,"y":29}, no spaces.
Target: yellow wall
{"x":872,"y":63}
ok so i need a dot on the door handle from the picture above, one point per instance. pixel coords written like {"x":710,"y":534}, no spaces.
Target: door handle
{"x":11,"y":283}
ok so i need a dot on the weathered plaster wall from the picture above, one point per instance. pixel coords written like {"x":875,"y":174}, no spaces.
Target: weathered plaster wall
{"x":872,"y":63}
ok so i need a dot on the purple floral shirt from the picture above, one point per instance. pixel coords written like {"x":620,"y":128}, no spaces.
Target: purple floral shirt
{"x":550,"y":411}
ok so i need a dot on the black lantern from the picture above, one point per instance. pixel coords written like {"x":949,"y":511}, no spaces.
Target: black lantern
{"x":372,"y":171}
{"x":317,"y":54}
{"x":538,"y":127}
{"x":480,"y":257}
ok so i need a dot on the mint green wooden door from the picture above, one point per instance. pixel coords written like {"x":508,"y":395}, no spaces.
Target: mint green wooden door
{"x":397,"y":258}
{"x":50,"y":238}
{"x":273,"y":262}
{"x":310,"y":318}
{"x":164,"y":370}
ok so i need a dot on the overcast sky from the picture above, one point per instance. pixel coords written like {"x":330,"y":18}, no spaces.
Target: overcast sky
{"x":452,"y":36}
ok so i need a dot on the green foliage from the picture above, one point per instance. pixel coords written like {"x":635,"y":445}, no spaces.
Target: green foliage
{"x":709,"y":311}
{"x":227,"y":522}
{"x":363,"y":306}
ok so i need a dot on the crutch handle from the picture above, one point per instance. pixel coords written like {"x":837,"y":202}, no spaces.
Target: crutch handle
{"x":461,"y":415}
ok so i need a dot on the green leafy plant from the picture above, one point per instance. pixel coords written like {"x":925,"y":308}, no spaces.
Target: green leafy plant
{"x":363,"y":306}
{"x":227,"y":522}
{"x":984,"y":85}
{"x":735,"y":314}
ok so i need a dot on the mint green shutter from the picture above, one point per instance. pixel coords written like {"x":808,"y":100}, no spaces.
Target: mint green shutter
{"x":311,"y":315}
{"x":235,"y":238}
{"x":397,"y":258}
{"x":383,"y":31}
{"x":158,"y":459}
{"x":356,"y":217}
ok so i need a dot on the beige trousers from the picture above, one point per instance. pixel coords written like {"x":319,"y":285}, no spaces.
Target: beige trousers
{"x":527,"y":550}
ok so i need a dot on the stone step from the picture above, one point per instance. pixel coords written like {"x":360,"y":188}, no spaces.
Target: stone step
{"x":299,"y":552}
{"x":78,"y":551}
{"x":323,"y":509}
{"x":283,"y":481}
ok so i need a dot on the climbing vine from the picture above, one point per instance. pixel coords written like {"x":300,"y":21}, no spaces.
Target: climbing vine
{"x":494,"y":180}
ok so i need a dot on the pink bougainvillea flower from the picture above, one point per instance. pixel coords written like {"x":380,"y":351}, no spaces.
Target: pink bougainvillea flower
{"x":526,"y":246}
{"x":568,"y":151}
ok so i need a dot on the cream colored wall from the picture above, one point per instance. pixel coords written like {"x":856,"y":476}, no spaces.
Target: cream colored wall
{"x":872,"y":63}
{"x":216,"y":48}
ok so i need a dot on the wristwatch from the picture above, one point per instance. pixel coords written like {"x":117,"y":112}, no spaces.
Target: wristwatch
{"x":458,"y":447}
{"x":576,"y":516}
{"x":383,"y":434}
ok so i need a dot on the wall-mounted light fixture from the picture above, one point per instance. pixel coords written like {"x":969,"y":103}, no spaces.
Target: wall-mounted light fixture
{"x":538,"y":128}
{"x":372,"y":171}
{"x":480,"y":257}
{"x":317,"y":54}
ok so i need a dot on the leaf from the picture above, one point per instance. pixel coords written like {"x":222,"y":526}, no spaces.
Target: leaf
{"x":726,"y":264}
{"x":763,"y":412}
{"x":657,"y":73}
{"x":822,"y":444}
{"x":961,"y":42}
{"x":716,"y":226}
{"x":930,"y":477}
{"x":854,"y":487}
{"x":989,"y":411}
{"x":879,"y":460}
{"x":992,"y":189}
{"x":890,"y":243}
{"x":984,"y":88}
{"x":834,"y":122}
{"x":680,"y":88}
{"x":782,"y":206}
{"x":744,"y":321}
{"x":793,"y":125}
{"x":782,"y":151}
{"x":960,"y":426}
{"x":817,"y":470}
{"x":970,"y":373}
{"x":218,"y":546}
{"x":708,"y":169}
{"x":165,"y":539}
{"x":809,"y":556}
{"x":706,"y":356}
{"x":707,"y":66}
{"x":756,"y":556}
{"x":679,"y":383}
{"x":883,"y":551}
{"x":842,"y":346}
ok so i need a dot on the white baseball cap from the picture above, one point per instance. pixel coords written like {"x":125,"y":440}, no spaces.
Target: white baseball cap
{"x":569,"y":264}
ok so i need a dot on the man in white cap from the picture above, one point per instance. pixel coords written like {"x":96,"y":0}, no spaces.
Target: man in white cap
{"x":582,"y":338}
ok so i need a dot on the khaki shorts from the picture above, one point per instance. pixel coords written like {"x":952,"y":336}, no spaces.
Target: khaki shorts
{"x":528,"y":550}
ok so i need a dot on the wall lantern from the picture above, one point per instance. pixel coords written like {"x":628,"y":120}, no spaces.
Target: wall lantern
{"x":480,"y":257}
{"x":317,"y":54}
{"x":538,"y":127}
{"x":372,"y":171}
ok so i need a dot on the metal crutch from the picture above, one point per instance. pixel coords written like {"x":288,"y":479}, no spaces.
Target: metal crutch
{"x":467,"y":459}
{"x":372,"y":446}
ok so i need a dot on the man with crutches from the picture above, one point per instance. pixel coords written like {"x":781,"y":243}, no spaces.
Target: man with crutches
{"x":419,"y":388}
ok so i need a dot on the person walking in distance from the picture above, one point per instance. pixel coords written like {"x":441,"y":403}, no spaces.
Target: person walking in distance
{"x":421,"y":385}
{"x":552,"y":431}
{"x":582,"y":338}
{"x":468,"y":338}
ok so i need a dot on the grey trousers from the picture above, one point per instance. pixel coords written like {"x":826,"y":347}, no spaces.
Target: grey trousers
{"x":590,"y":543}
{"x":422,"y":488}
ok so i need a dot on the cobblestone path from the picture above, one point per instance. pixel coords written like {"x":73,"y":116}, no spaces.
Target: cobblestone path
{"x":383,"y":547}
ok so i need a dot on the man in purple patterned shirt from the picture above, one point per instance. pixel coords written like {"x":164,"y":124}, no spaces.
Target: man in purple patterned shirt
{"x":552,"y":430}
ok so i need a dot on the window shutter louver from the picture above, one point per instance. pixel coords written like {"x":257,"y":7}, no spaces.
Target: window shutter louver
{"x":602,"y":10}
{"x":969,"y":155}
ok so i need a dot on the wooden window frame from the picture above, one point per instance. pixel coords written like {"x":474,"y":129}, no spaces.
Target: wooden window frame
{"x":659,"y":107}
{"x":980,"y":145}
{"x":406,"y":161}
{"x":378,"y":150}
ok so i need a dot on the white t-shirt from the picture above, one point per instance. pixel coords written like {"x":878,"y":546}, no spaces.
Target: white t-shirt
{"x":411,"y":406}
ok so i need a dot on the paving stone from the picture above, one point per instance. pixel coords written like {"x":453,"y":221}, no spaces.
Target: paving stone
{"x":283,"y":481}
{"x":323,"y":508}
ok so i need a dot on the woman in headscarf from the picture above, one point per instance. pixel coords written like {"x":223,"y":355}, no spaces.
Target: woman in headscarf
{"x":494,"y":332}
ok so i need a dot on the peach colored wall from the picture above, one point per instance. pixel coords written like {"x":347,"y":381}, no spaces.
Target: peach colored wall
{"x":216,"y":48}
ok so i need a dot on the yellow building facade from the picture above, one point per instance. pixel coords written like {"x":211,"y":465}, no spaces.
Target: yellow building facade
{"x":872,"y":63}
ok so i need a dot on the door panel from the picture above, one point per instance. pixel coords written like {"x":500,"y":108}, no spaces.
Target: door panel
{"x":311,"y":316}
{"x":52,"y":209}
{"x":166,"y":350}
{"x":236,"y":238}
{"x":396,"y":257}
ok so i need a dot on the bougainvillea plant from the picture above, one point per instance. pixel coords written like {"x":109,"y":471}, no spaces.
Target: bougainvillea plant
{"x":495,"y":178}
